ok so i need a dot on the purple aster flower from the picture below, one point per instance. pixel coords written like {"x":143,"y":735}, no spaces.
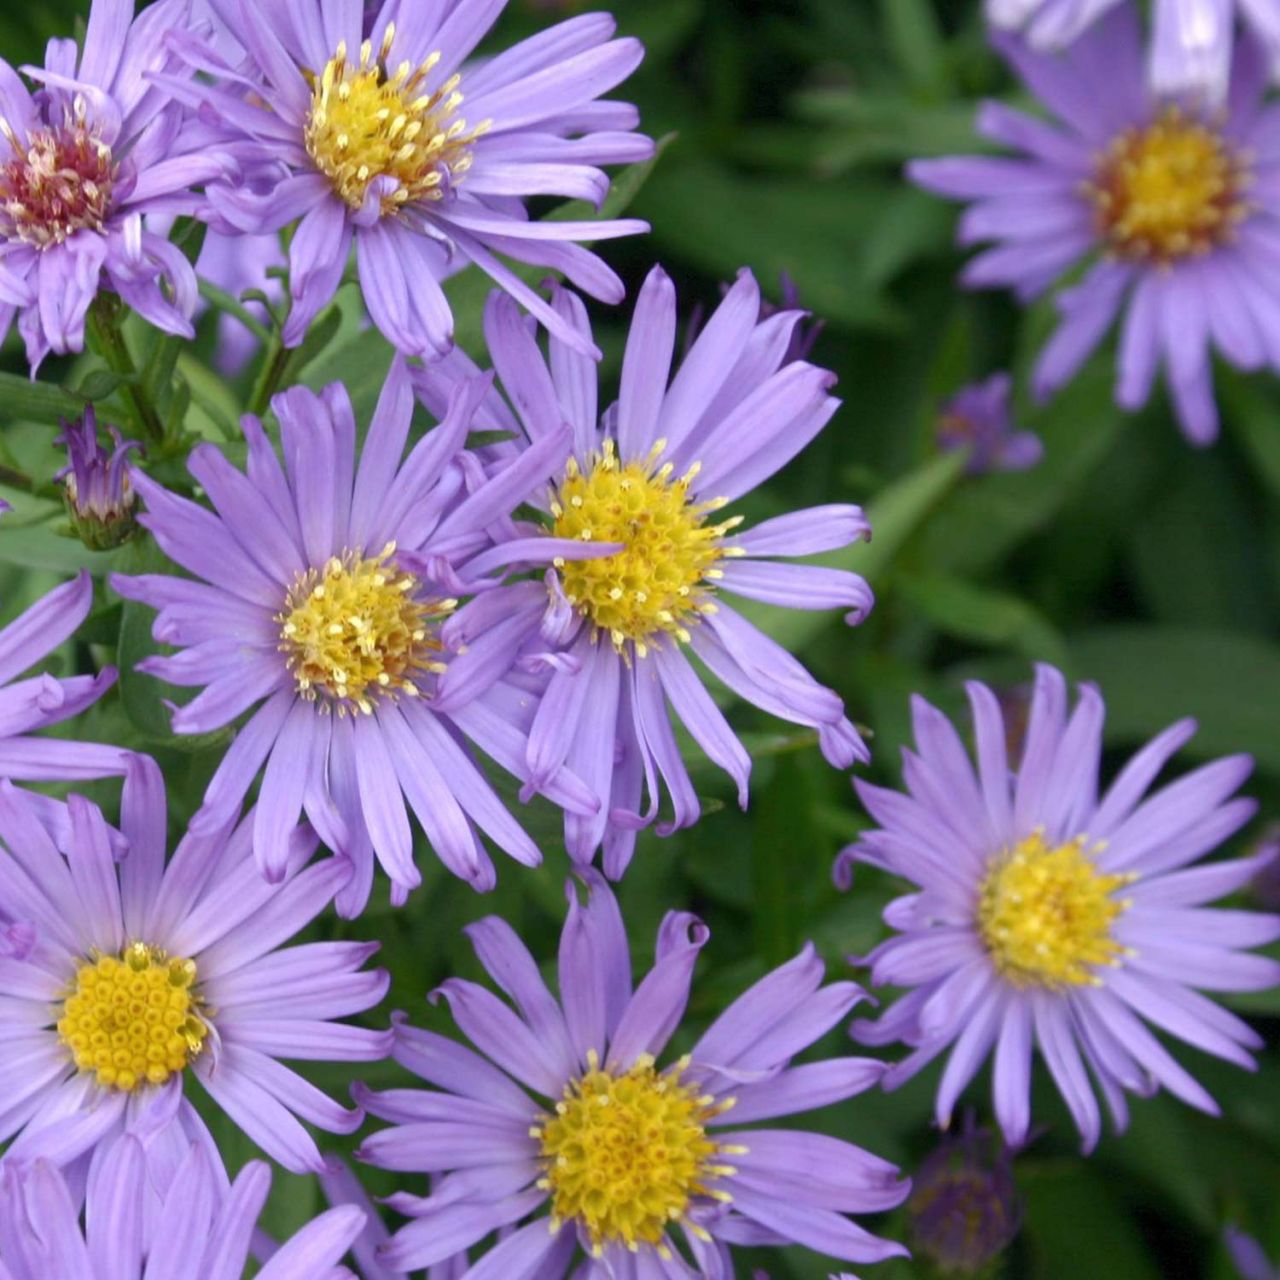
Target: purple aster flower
{"x":964,"y":1209}
{"x":552,"y":1121}
{"x":1191,"y":49}
{"x":652,"y":474}
{"x":123,"y":977}
{"x":358,"y":128}
{"x":43,"y":700}
{"x":1169,"y":205}
{"x":326,"y":597}
{"x":979,"y":418}
{"x":96,"y":484}
{"x":206,"y":1237}
{"x":1049,"y":917}
{"x":1249,"y":1259}
{"x":81,"y":161}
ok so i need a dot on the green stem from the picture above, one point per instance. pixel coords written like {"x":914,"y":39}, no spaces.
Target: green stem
{"x":274,"y":361}
{"x":104,"y":329}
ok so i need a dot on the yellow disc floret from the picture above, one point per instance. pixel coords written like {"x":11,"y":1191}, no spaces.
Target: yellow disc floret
{"x":356,"y":630}
{"x":1170,"y":190}
{"x":369,"y":122}
{"x":1045,"y":914}
{"x":626,"y":1154}
{"x":660,"y":581}
{"x":133,"y":1018}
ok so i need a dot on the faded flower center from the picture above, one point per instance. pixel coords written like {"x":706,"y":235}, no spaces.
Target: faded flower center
{"x":57,"y":184}
{"x":659,"y":581}
{"x":133,"y":1017}
{"x":369,"y":124}
{"x":624,"y":1155}
{"x":1171,"y":190}
{"x":355,"y":631}
{"x":1046,"y":913}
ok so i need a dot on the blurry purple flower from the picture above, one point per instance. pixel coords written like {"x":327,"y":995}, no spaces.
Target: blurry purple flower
{"x":964,"y":1209}
{"x":652,"y":475}
{"x":96,"y":484}
{"x":81,"y":161}
{"x":326,"y":601}
{"x":138,"y":970}
{"x":354,"y":127}
{"x":1191,"y":49}
{"x":979,"y":418}
{"x":43,"y":700}
{"x":1047,"y":916}
{"x":1172,"y":206}
{"x":549,"y":1124}
{"x":1266,"y":883}
{"x":207,"y":1226}
{"x":1249,"y":1259}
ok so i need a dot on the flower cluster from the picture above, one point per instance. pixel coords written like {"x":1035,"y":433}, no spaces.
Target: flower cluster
{"x":412,"y":590}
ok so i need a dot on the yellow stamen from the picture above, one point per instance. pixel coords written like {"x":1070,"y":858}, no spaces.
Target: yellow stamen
{"x":133,"y":1018}
{"x":660,"y":581}
{"x":1168,"y":191}
{"x":625,"y":1154}
{"x":356,"y":631}
{"x":368,"y":122}
{"x":1046,"y":914}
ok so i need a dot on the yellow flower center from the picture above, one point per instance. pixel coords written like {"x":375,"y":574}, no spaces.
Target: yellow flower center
{"x":626,"y":1154}
{"x":1045,"y":914}
{"x":133,"y":1017}
{"x":368,"y":122}
{"x":1173,"y":189}
{"x":659,"y":581}
{"x":355,"y":631}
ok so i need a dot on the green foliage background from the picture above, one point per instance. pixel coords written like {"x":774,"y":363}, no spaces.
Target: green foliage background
{"x":1126,"y":556}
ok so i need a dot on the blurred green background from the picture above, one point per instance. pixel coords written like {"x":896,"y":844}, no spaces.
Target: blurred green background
{"x":1125,"y":556}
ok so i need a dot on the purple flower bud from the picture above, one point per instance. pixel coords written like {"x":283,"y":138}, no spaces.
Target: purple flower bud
{"x":1266,"y":884}
{"x":964,"y":1210}
{"x":96,"y":485}
{"x":978,"y":418}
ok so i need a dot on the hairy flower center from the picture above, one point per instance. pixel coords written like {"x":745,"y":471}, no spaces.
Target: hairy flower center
{"x":355,"y":631}
{"x":370,"y":125}
{"x":58,"y":183}
{"x":133,"y":1017}
{"x":1173,"y":189}
{"x":624,"y":1155}
{"x":659,"y":581}
{"x":1045,"y":914}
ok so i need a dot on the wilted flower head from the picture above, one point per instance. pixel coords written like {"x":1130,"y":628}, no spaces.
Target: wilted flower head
{"x":565,"y":1134}
{"x":1174,"y":208}
{"x":356,"y":124}
{"x":648,"y":481}
{"x":137,"y":973}
{"x":979,"y":418}
{"x":964,"y":1209}
{"x":96,"y":483}
{"x":81,"y":161}
{"x":1191,"y":46}
{"x":1049,"y":916}
{"x":208,"y":1227}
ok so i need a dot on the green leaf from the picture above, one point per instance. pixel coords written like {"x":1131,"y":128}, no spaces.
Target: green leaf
{"x":23,"y":399}
{"x":983,"y":615}
{"x":1151,"y":676}
{"x":916,"y":40}
{"x":1075,"y":1218}
{"x":99,"y":384}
